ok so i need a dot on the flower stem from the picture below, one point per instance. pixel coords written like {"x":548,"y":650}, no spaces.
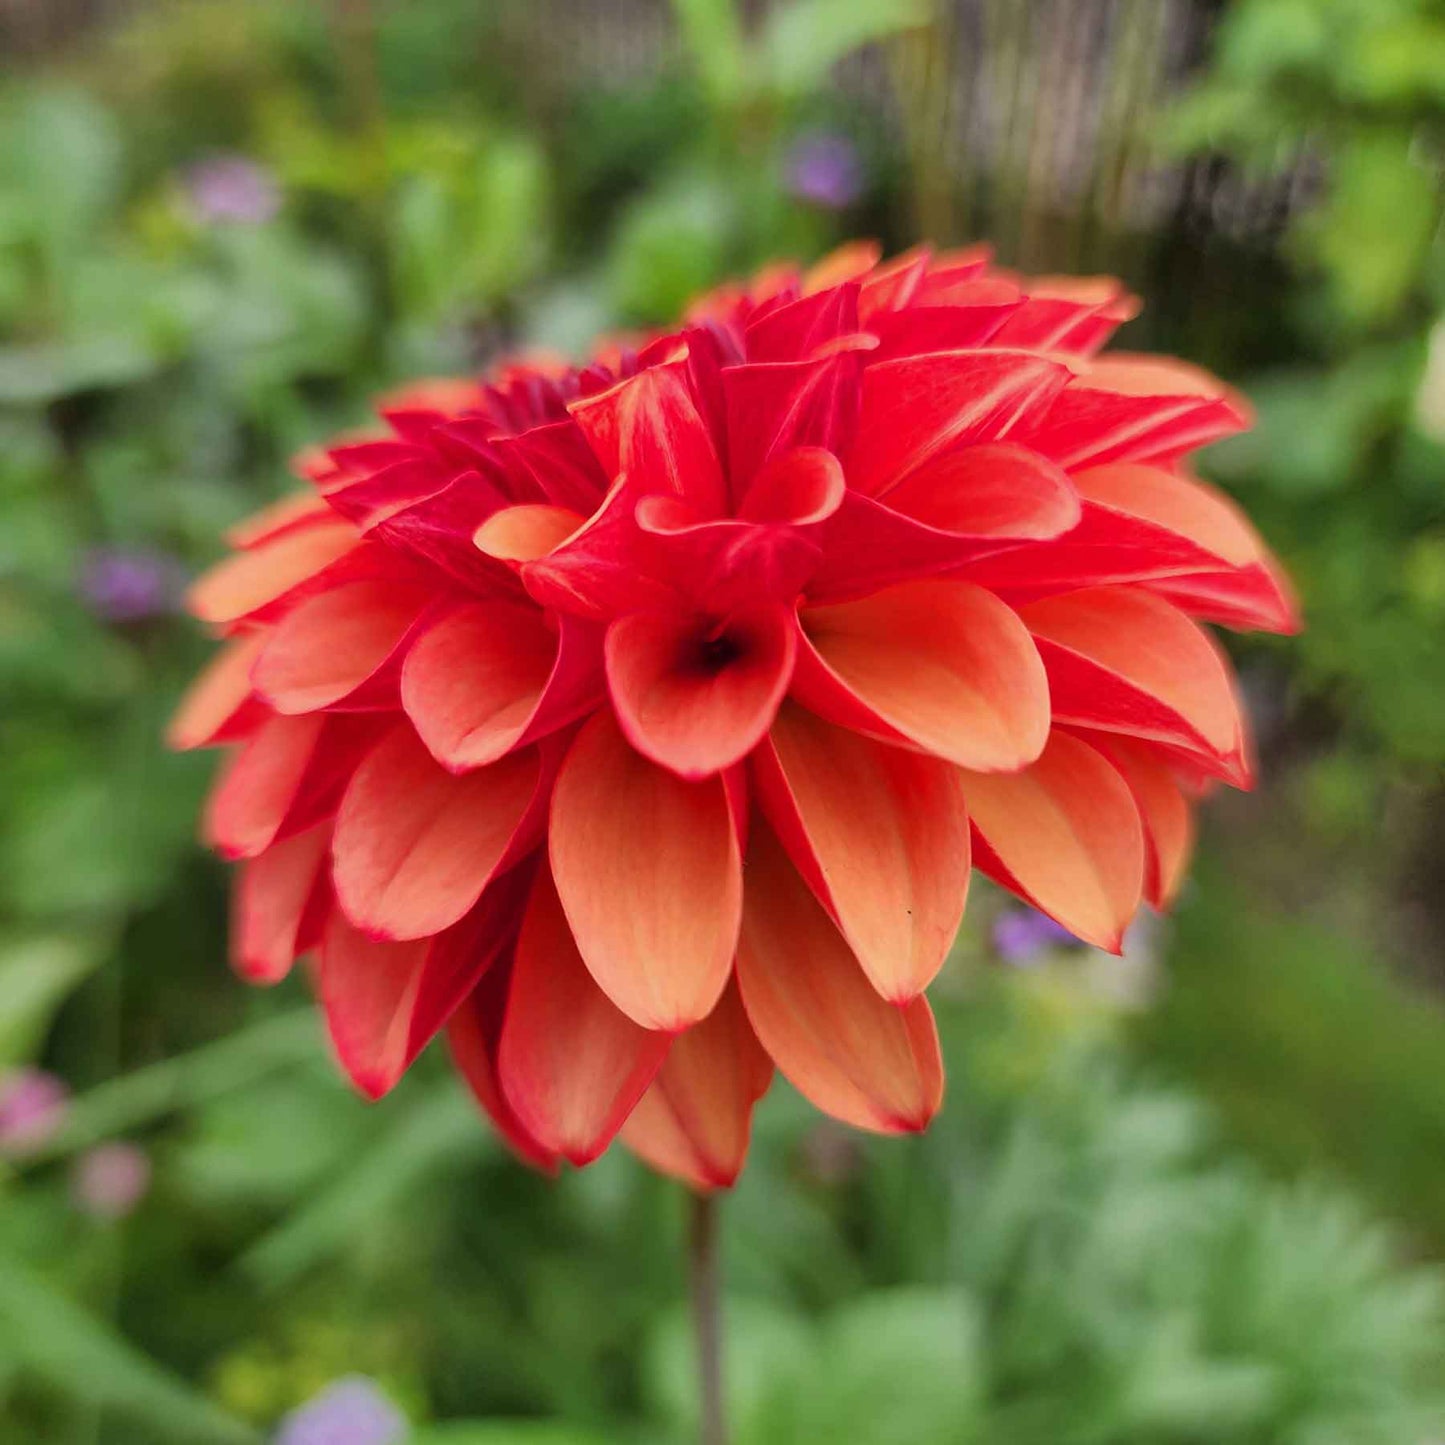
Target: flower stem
{"x":702,"y":1249}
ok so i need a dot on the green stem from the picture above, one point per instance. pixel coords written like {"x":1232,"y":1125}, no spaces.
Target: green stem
{"x":702,"y":1246}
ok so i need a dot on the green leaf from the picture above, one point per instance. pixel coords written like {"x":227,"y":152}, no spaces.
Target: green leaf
{"x":57,"y":1342}
{"x":714,"y":41}
{"x":37,"y":974}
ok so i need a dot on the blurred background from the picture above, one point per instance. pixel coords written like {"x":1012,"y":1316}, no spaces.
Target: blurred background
{"x":1195,"y":1196}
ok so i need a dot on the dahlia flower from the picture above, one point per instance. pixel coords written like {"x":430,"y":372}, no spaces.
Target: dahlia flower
{"x":639,"y":723}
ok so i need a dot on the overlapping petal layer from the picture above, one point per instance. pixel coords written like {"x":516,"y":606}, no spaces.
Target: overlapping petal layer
{"x":638,"y":723}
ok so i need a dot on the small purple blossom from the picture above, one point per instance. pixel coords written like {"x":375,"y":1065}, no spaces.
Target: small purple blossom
{"x":352,"y":1411}
{"x":823,"y":169}
{"x":1023,"y":935}
{"x":122,"y":584}
{"x":33,"y":1105}
{"x":108,"y":1181}
{"x":230,"y":189}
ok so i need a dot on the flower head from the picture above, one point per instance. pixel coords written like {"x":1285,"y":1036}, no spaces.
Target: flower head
{"x":350,"y":1412}
{"x":232,"y":189}
{"x":640,"y":722}
{"x":33,"y":1105}
{"x":111,"y":1179}
{"x":822,"y":168}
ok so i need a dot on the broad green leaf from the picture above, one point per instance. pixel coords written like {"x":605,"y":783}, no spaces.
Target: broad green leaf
{"x":54,"y":1340}
{"x":37,"y":974}
{"x":801,"y":42}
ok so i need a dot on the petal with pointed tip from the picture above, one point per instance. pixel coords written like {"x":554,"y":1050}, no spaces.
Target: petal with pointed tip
{"x":858,"y":1058}
{"x":1065,"y":835}
{"x":1165,"y":812}
{"x":571,"y":1064}
{"x":1124,"y":661}
{"x":881,"y":837}
{"x":247,"y":581}
{"x":648,"y":869}
{"x":278,"y":897}
{"x":695,"y":1119}
{"x":220,"y":706}
{"x":940,"y":665}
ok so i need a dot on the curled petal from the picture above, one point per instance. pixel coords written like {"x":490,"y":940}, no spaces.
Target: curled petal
{"x":526,"y":532}
{"x":694,"y":1121}
{"x":281,"y":901}
{"x":915,"y":408}
{"x":648,"y":869}
{"x":697,"y":696}
{"x":1123,"y":661}
{"x":938,"y":665}
{"x":415,"y":845}
{"x":493,"y":676}
{"x":325,"y":651}
{"x":880,"y":835}
{"x":863,"y":1060}
{"x":571,"y":1064}
{"x":1065,"y":835}
{"x":220,"y":705}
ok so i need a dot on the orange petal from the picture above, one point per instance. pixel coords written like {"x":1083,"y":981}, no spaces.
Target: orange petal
{"x":300,"y":509}
{"x":1124,"y":661}
{"x":864,"y":1061}
{"x":648,"y":870}
{"x":278,"y":896}
{"x":524,"y":533}
{"x":1065,"y":835}
{"x":1165,"y":812}
{"x":571,"y":1065}
{"x":474,"y":684}
{"x":250,"y":802}
{"x":938,"y":664}
{"x":248,"y":580}
{"x":326,"y":648}
{"x":695,"y":1120}
{"x":694,"y":697}
{"x":215,"y":706}
{"x":880,"y":834}
{"x":415,"y":845}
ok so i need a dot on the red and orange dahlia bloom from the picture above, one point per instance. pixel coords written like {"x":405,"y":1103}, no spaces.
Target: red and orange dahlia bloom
{"x":639,"y":723}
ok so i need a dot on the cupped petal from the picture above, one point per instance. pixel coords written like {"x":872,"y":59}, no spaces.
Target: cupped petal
{"x":493,"y":676}
{"x":1128,"y":408}
{"x":281,"y":901}
{"x":325,"y":652}
{"x":863,"y":1060}
{"x":527,"y":531}
{"x":650,"y":428}
{"x":571,"y":1065}
{"x":694,"y":694}
{"x":415,"y":845}
{"x":1124,"y":661}
{"x":385,"y":1001}
{"x":220,"y":706}
{"x":938,"y":665}
{"x":880,"y":835}
{"x":648,"y":869}
{"x":1164,"y":811}
{"x":695,"y":1119}
{"x":473,"y":1037}
{"x":246,"y":581}
{"x":1065,"y":835}
{"x":915,"y":408}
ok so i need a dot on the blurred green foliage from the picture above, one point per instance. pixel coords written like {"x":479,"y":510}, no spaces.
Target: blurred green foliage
{"x":1071,"y":1256}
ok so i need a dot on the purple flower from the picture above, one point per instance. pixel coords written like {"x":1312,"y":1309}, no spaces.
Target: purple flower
{"x":349,"y":1412}
{"x":1023,"y":935}
{"x":32,"y":1108}
{"x":822,"y":168}
{"x":226,"y":189}
{"x":108,"y":1181}
{"x":129,"y":585}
